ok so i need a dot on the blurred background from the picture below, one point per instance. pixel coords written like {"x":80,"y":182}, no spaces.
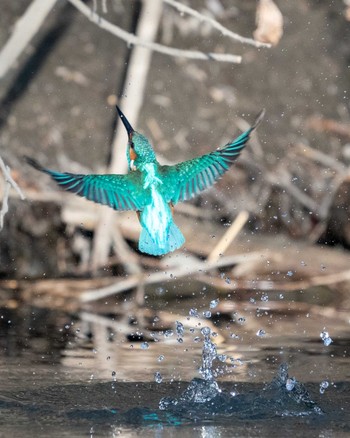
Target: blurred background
{"x":57,"y":104}
{"x":63,"y":70}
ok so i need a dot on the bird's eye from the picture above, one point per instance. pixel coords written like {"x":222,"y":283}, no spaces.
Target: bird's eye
{"x":132,"y":145}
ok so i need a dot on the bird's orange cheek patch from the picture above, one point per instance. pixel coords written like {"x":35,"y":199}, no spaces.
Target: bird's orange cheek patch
{"x":132,"y":154}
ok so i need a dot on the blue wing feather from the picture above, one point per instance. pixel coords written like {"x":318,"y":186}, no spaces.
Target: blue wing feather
{"x":185,"y":180}
{"x":120,"y":192}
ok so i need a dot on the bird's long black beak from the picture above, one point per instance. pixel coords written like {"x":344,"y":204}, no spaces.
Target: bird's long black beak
{"x":126,"y":123}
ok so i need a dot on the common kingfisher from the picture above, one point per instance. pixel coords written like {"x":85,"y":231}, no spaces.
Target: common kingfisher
{"x":150,"y":188}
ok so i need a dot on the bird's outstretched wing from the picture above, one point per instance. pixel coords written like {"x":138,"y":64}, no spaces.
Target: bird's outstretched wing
{"x":120,"y":192}
{"x":185,"y":180}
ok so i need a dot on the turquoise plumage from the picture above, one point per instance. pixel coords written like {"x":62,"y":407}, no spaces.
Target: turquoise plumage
{"x":152,"y":189}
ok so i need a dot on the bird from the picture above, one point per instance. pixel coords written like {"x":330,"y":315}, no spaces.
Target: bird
{"x":152,"y":189}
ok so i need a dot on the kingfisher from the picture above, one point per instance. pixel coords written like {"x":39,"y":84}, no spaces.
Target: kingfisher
{"x":152,"y":189}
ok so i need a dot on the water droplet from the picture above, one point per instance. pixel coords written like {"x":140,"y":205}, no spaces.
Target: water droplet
{"x":241,"y":320}
{"x":207,"y":314}
{"x":327,"y":340}
{"x":290,"y":384}
{"x":281,"y":296}
{"x":261,"y":333}
{"x":206,"y":331}
{"x":265,"y":298}
{"x":323,"y":386}
{"x":168,"y":333}
{"x":193,"y":312}
{"x":227,"y":280}
{"x":158,"y":377}
{"x":222,"y":357}
{"x":214,"y":303}
{"x":161,"y":358}
{"x":144,"y":345}
{"x":290,"y":273}
{"x":179,"y":328}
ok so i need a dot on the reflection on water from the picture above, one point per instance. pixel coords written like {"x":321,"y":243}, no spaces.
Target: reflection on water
{"x":53,"y":366}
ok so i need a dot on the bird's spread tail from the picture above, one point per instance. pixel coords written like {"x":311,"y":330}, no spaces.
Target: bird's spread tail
{"x":175,"y":240}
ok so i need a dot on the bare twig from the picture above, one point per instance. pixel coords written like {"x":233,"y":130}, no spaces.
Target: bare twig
{"x":132,"y":39}
{"x":168,"y":275}
{"x":321,"y":124}
{"x":320,"y":157}
{"x":229,"y":236}
{"x":26,"y":27}
{"x":265,"y":285}
{"x":5,"y":206}
{"x":225,"y":32}
{"x":8,"y":178}
{"x":9,"y":182}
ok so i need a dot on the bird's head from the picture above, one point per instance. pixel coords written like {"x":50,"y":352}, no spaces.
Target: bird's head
{"x":139,"y":151}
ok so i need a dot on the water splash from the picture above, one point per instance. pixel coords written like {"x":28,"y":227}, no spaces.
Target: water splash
{"x":203,"y":397}
{"x":209,"y":354}
{"x":284,"y":396}
{"x":208,"y":370}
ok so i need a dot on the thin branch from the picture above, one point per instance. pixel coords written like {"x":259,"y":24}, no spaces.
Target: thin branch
{"x":320,"y":157}
{"x":169,"y":275}
{"x":131,"y":39}
{"x":9,"y":182}
{"x":225,"y":32}
{"x":24,"y":30}
{"x":5,"y":205}
{"x":265,"y":285}
{"x":229,"y":236}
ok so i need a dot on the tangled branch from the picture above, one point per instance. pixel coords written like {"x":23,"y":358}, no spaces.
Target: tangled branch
{"x":215,"y":24}
{"x":132,"y":39}
{"x":9,"y":182}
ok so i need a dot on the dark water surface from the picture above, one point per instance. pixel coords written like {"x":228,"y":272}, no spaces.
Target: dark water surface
{"x":91,"y":375}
